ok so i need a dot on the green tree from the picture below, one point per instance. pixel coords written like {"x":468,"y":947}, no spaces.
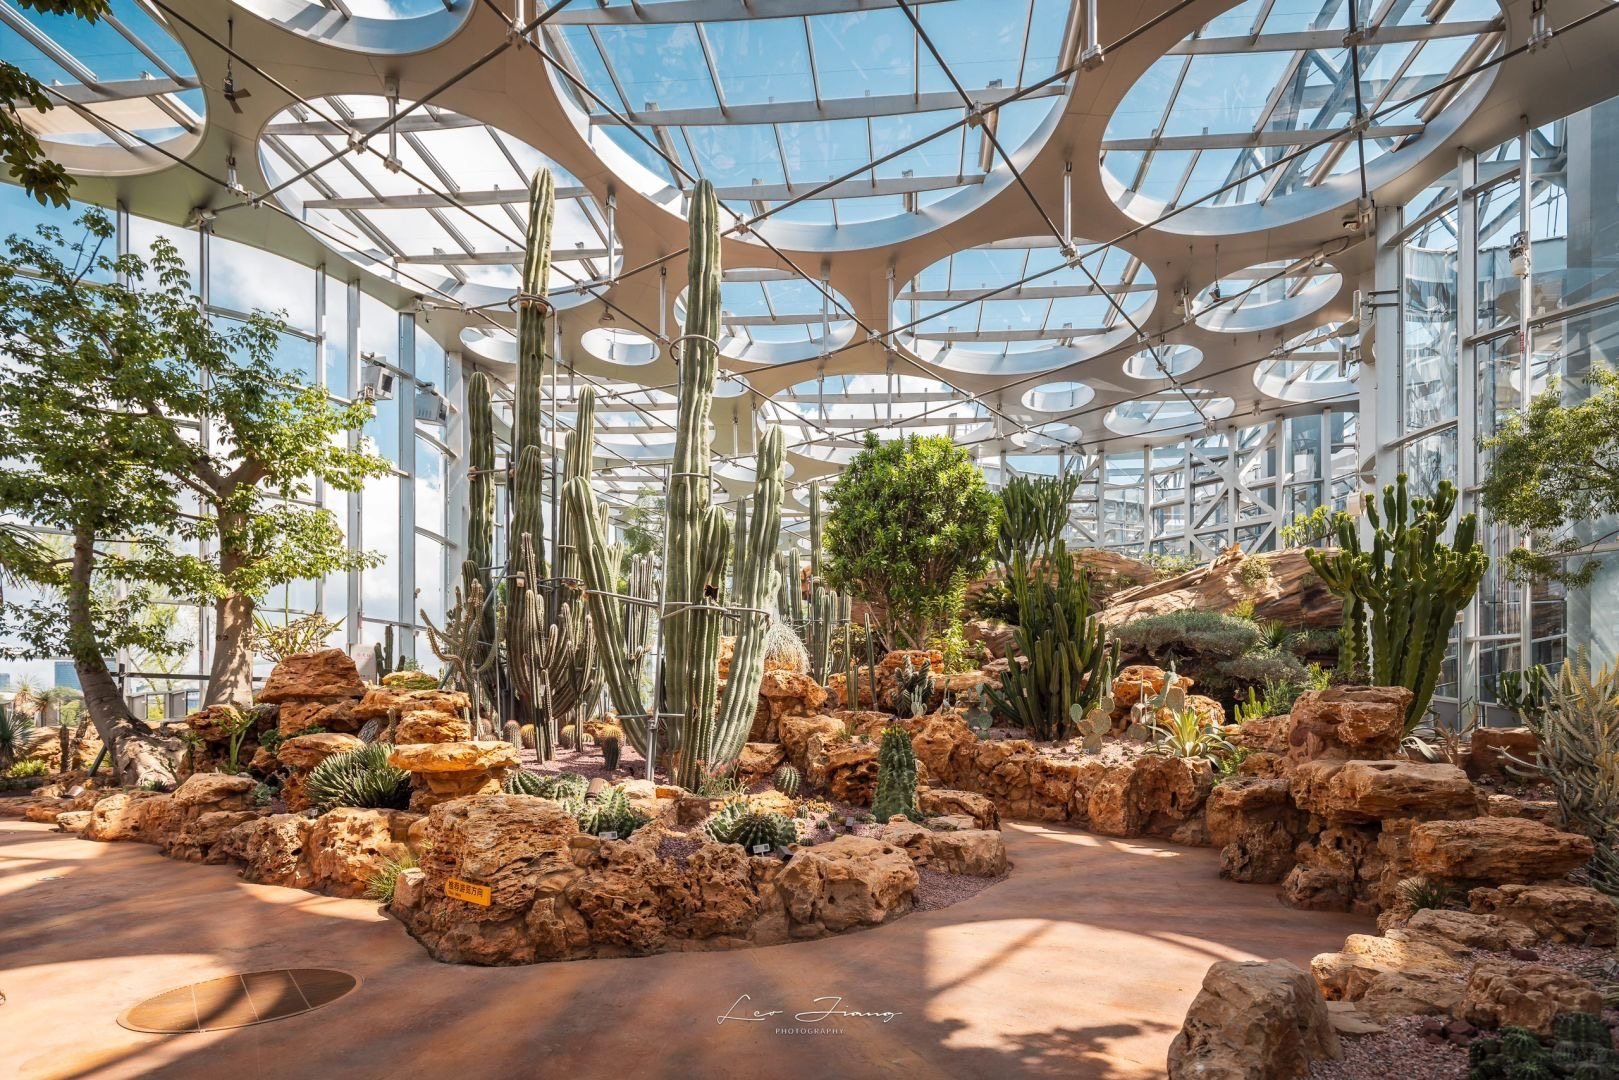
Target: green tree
{"x":912,"y":521}
{"x":1552,"y":468}
{"x":110,"y":385}
{"x":25,"y":159}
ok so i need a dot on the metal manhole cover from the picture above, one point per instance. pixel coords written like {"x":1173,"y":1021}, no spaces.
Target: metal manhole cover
{"x":234,"y":1001}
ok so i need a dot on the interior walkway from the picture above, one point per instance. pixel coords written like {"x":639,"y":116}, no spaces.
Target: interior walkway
{"x":1081,"y":964}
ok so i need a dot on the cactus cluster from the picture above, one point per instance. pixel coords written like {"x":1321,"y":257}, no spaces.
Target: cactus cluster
{"x":1094,"y":723}
{"x":609,"y":812}
{"x":360,"y":777}
{"x":896,"y":776}
{"x":737,"y":822}
{"x":701,"y":731}
{"x":787,"y":781}
{"x":1582,"y":1049}
{"x":913,"y":689}
{"x":1068,"y":658}
{"x":522,"y":782}
{"x":1145,"y":712}
{"x":458,"y":645}
{"x":1401,"y":597}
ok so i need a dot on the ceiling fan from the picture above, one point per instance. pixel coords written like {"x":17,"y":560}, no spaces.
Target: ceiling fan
{"x":232,"y":94}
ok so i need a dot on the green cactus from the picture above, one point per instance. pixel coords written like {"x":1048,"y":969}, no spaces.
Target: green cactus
{"x":610,"y":813}
{"x":1094,"y":723}
{"x":459,"y":644}
{"x":512,"y":732}
{"x":610,"y":738}
{"x":787,"y":781}
{"x":1401,"y":597}
{"x":701,"y":732}
{"x":521,"y":782}
{"x":914,"y":688}
{"x":736,"y":822}
{"x":896,"y":776}
{"x":1582,"y":1049}
{"x":383,"y":653}
{"x":563,"y":786}
{"x":1069,"y":659}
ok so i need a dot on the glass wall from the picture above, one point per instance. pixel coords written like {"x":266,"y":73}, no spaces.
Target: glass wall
{"x":338,"y":337}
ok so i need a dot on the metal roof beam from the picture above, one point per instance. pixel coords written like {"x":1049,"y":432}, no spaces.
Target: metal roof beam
{"x":832,"y":108}
{"x":688,"y":11}
{"x":1330,"y":40}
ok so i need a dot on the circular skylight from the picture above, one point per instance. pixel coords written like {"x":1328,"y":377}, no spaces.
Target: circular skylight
{"x":1169,"y":414}
{"x":771,"y":108}
{"x":441,"y":206}
{"x":827,"y":419}
{"x":113,"y":83}
{"x":371,"y":26}
{"x":1258,"y":85}
{"x":1036,"y":313}
{"x":1317,"y":365}
{"x":619,"y":346}
{"x":1265,"y":296}
{"x":775,"y":316}
{"x":1163,"y":361}
{"x":1058,"y":396}
{"x":1048,"y":437}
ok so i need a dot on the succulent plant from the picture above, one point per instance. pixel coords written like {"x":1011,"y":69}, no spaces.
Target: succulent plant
{"x":1093,"y":723}
{"x":787,"y":781}
{"x":522,"y":782}
{"x":610,"y":813}
{"x":563,"y":786}
{"x":896,"y":777}
{"x":568,"y":737}
{"x":527,"y":732}
{"x":513,"y":734}
{"x":737,"y":822}
{"x":360,"y":777}
{"x":1417,"y":893}
{"x":1582,"y":1049}
{"x":610,"y":737}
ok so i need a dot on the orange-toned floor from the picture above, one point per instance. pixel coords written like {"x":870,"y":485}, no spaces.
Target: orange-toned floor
{"x":1081,"y":964}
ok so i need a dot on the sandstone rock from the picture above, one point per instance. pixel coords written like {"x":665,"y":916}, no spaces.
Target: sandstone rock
{"x":407,"y":891}
{"x":297,"y":717}
{"x":273,"y":850}
{"x":1366,"y":791}
{"x":850,"y":881}
{"x":1254,"y":823}
{"x":1344,"y":722}
{"x":719,"y":897}
{"x":1150,"y":796}
{"x":1470,"y":929}
{"x":807,"y":741}
{"x":916,"y":840}
{"x":1137,"y":681}
{"x":1491,"y":750}
{"x":1569,"y":913}
{"x":1209,"y":711}
{"x":759,"y":761}
{"x":304,"y":752}
{"x":1530,"y":996}
{"x":973,"y":852}
{"x":942,"y":802}
{"x":328,"y":673}
{"x":453,"y":770}
{"x":1253,"y":1021}
{"x":1496,"y":850}
{"x":349,"y":846}
{"x":73,"y":821}
{"x":421,"y":716}
{"x":128,"y":815}
{"x":1336,"y":871}
{"x":200,"y":839}
{"x":1422,"y":992}
{"x":851,"y":772}
{"x":1349,"y":973}
{"x":945,"y":745}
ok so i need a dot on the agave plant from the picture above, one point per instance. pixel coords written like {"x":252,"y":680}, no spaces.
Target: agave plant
{"x":18,"y":737}
{"x":360,"y":777}
{"x":1187,"y":736}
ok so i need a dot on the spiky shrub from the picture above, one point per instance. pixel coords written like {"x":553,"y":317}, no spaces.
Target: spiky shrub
{"x":361,"y":778}
{"x":610,"y":737}
{"x":737,"y":822}
{"x":1424,"y":893}
{"x":1401,"y":597}
{"x":18,"y":737}
{"x":1186,"y":735}
{"x":1207,"y":635}
{"x":783,"y":650}
{"x":913,"y":689}
{"x":610,"y":813}
{"x":1068,"y":660}
{"x":787,"y":781}
{"x":896,"y":777}
{"x":1092,"y":724}
{"x":30,"y":767}
{"x":522,"y":782}
{"x":1578,"y":731}
{"x":1582,"y":1048}
{"x":381,"y":884}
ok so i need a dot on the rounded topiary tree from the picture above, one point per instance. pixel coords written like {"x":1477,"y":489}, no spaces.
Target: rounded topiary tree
{"x":912,"y":521}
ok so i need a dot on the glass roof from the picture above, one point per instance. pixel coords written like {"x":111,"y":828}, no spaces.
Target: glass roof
{"x":1057,"y":318}
{"x":1162,"y":362}
{"x":827,"y":418}
{"x":1265,"y":296}
{"x":442,"y":206}
{"x":768,"y":108}
{"x":1172,"y":412}
{"x":123,"y":71}
{"x":1319,"y":363}
{"x":773,"y":316}
{"x":1268,"y":77}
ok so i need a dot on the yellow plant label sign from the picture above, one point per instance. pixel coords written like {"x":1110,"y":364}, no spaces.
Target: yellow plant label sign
{"x":456,"y":889}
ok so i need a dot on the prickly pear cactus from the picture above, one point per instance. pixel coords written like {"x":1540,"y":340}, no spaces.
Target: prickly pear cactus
{"x":1094,"y":723}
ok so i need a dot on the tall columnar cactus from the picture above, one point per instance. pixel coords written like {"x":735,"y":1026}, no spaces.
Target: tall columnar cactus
{"x":459,"y":645}
{"x":1402,"y":596}
{"x":823,"y":617}
{"x":698,"y":541}
{"x":896,"y":777}
{"x":552,"y":662}
{"x":475,"y":571}
{"x":1068,"y":658}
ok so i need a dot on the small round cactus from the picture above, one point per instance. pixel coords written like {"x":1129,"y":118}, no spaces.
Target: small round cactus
{"x":523,"y":783}
{"x":737,"y":822}
{"x":610,"y":737}
{"x":787,"y":781}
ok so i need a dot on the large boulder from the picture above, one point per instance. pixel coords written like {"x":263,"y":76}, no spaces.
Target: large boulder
{"x":273,"y":850}
{"x":1151,"y":796}
{"x":972,"y":852}
{"x":850,"y":881}
{"x":1394,"y":995}
{"x":349,"y":847}
{"x":1496,"y":850}
{"x":1253,"y":1020}
{"x":1346,"y":975}
{"x":1256,"y":827}
{"x":1347,"y":722}
{"x":1360,"y":792}
{"x":1492,"y":751}
{"x":324,"y":675}
{"x":1468,"y":929}
{"x":453,"y":770}
{"x":1500,"y":993}
{"x":784,"y":693}
{"x":1570,"y":913}
{"x":418,"y":716}
{"x":944,"y":802}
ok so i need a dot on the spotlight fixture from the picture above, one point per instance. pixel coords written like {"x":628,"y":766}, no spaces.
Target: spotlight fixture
{"x":228,"y":89}
{"x":1521,"y":263}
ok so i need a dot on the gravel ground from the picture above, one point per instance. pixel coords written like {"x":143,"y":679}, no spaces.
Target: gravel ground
{"x":587,"y":762}
{"x":1408,"y":1051}
{"x":940,"y":890}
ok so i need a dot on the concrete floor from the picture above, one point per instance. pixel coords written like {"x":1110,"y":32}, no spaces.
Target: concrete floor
{"x":1081,"y":964}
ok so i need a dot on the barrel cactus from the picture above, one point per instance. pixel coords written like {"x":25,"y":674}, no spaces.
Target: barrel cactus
{"x":787,"y":781}
{"x":523,"y":783}
{"x":360,"y":777}
{"x":610,"y":813}
{"x":610,"y":737}
{"x":737,"y":822}
{"x":1581,"y":1048}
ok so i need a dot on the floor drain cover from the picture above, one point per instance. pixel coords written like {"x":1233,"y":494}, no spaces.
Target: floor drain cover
{"x":239,"y":1000}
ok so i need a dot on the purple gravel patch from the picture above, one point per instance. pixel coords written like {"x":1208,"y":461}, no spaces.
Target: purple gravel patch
{"x":938,"y":889}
